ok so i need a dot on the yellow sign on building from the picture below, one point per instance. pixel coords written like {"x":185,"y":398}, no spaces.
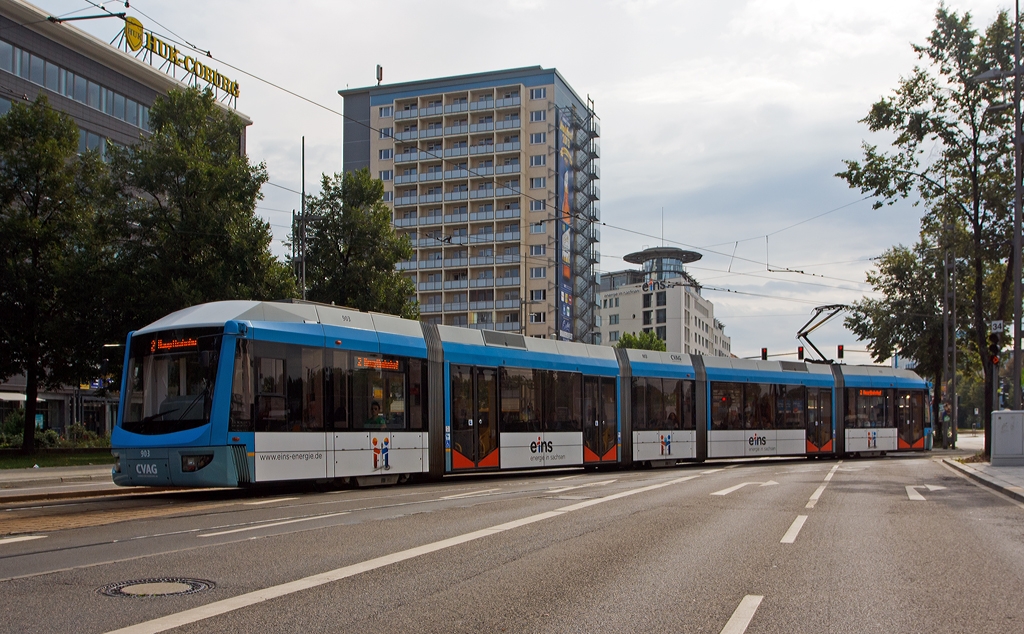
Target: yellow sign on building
{"x":136,"y":37}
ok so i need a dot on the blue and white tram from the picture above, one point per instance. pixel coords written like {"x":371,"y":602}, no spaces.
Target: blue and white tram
{"x":238,"y":393}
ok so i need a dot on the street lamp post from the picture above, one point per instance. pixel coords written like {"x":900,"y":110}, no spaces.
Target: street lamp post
{"x":1018,"y":171}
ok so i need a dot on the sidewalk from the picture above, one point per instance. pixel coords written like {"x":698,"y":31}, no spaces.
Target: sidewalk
{"x":49,"y":483}
{"x":1007,"y":480}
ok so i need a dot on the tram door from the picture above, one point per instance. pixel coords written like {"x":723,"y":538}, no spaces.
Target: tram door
{"x":600,"y":428}
{"x":819,"y":420}
{"x":474,"y":417}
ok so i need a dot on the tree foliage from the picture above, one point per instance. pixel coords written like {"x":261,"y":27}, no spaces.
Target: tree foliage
{"x":352,"y":248}
{"x":186,"y":215}
{"x":947,"y":154}
{"x":643,"y":341}
{"x":50,"y":253}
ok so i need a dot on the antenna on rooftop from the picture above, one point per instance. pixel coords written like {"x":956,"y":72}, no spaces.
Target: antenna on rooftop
{"x":380,"y":74}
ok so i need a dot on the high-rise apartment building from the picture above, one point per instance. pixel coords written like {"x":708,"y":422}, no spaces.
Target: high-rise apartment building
{"x":493,"y":177}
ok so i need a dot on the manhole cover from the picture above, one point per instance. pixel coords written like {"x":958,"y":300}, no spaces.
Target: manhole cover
{"x":164,"y":587}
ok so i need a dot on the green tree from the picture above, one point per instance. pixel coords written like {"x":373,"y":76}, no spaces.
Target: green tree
{"x":186,"y":215}
{"x":643,"y":341}
{"x":908,"y":317}
{"x":50,"y":253}
{"x":352,"y":248}
{"x":954,"y":159}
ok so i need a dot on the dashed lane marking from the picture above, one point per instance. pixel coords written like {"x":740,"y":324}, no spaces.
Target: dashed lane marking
{"x":225,"y":606}
{"x":259,"y":526}
{"x":20,"y":538}
{"x":468,"y":494}
{"x":742,"y":616}
{"x":582,"y":486}
{"x":268,"y":501}
{"x":794,"y":530}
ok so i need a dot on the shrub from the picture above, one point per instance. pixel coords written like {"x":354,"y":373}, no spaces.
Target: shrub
{"x":14,"y":423}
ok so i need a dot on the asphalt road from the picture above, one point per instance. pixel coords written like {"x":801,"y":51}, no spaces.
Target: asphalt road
{"x":899,"y":544}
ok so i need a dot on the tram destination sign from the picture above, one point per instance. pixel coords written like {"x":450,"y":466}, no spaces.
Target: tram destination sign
{"x":136,"y":39}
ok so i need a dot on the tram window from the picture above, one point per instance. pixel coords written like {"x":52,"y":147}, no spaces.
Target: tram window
{"x":337,"y":405}
{"x":791,"y":403}
{"x":519,"y":411}
{"x":868,"y":408}
{"x":758,"y":406}
{"x":726,"y":402}
{"x":688,"y":406}
{"x":309,"y":387}
{"x":243,"y":397}
{"x":271,"y":412}
{"x":656,"y":416}
{"x":671,"y":392}
{"x":638,"y":387}
{"x":417,"y":403}
{"x":378,"y":396}
{"x":567,"y":393}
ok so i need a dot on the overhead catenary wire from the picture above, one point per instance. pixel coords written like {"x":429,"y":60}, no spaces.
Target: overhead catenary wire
{"x":550,"y":214}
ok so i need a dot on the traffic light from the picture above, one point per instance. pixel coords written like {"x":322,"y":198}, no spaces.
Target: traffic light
{"x":994,"y":346}
{"x":764,"y":354}
{"x":839,"y":352}
{"x":800,"y":353}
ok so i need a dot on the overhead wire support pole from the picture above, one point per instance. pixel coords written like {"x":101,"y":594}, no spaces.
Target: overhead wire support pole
{"x":1018,"y":137}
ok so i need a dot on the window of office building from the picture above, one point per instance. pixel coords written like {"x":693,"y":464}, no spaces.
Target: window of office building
{"x":536,"y":138}
{"x":538,"y":227}
{"x":538,"y":272}
{"x":539,"y":115}
{"x":385,"y":155}
{"x":659,"y":316}
{"x":537,"y":205}
{"x":538,"y":249}
{"x":538,"y":295}
{"x":538,"y":160}
{"x":386,"y":175}
{"x":647,"y":300}
{"x":613,"y":320}
{"x":387,"y":133}
{"x":538,"y":93}
{"x":613,"y":335}
{"x":386,"y":111}
{"x":538,"y":183}
{"x":662,"y":298}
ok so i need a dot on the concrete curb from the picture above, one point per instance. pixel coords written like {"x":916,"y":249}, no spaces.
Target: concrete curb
{"x":987,"y":480}
{"x":13,"y":497}
{"x":6,"y":485}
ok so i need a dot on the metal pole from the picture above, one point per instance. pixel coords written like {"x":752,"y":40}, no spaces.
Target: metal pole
{"x":1018,"y":172}
{"x":944,"y":388}
{"x":303,"y":217}
{"x":956,"y":400}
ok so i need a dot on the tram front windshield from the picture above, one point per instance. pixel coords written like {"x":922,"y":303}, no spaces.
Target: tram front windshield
{"x":170,"y":380}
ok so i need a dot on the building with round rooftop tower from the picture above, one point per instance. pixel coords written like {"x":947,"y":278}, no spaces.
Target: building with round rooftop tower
{"x":663,"y":298}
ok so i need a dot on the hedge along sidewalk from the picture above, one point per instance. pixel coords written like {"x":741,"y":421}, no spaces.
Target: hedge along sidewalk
{"x":14,"y":459}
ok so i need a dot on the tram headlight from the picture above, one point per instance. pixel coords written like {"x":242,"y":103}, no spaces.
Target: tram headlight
{"x":195,"y":463}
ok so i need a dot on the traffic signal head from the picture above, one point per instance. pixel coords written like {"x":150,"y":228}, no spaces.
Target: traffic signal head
{"x":839,"y":351}
{"x":800,"y":353}
{"x":994,"y":346}
{"x":764,"y":354}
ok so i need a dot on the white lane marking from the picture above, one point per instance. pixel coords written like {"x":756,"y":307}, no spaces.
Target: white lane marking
{"x":831,"y":473}
{"x":794,"y":530}
{"x":252,"y":598}
{"x":743,"y":484}
{"x":259,"y":526}
{"x":268,"y":501}
{"x":22,"y":538}
{"x":814,"y":496}
{"x":917,"y":497}
{"x":711,"y":471}
{"x":468,"y":494}
{"x":743,"y":614}
{"x":569,"y":477}
{"x":913,"y":494}
{"x":582,"y":486}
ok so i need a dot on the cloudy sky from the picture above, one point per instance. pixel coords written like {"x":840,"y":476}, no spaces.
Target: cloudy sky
{"x":722,"y":124}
